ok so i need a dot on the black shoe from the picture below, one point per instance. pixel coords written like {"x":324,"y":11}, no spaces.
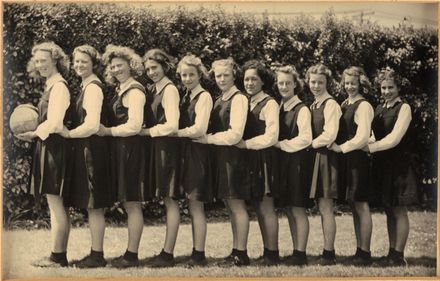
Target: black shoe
{"x":396,"y":261}
{"x":50,"y":262}
{"x":241,"y":261}
{"x":193,"y":262}
{"x":295,"y":260}
{"x":266,"y":261}
{"x":161,"y":260}
{"x":90,"y":262}
{"x":361,"y":261}
{"x":326,"y":261}
{"x":230,"y":258}
{"x":121,"y":262}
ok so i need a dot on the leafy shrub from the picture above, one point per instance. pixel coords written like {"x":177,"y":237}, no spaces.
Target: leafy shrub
{"x":211,"y":35}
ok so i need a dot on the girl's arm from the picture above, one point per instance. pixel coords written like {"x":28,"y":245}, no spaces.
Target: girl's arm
{"x":170,"y":104}
{"x":304,"y":138}
{"x":203,"y":111}
{"x":135,"y":103}
{"x":363,"y":118}
{"x":93,"y":98}
{"x":332,"y":113}
{"x":239,"y":110}
{"x":59,"y":102}
{"x":396,"y":135}
{"x":271,"y":113}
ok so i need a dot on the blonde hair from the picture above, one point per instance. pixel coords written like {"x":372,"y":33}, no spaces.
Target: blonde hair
{"x":91,"y":52}
{"x":196,"y":62}
{"x":229,"y":62}
{"x":56,"y":53}
{"x":290,"y":69}
{"x":125,"y":53}
{"x":359,"y":72}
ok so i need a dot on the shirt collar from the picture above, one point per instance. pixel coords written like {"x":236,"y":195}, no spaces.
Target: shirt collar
{"x":161,"y":84}
{"x":228,"y":94}
{"x":353,"y":100}
{"x":258,"y":97}
{"x":53,"y":79}
{"x":197,"y":89}
{"x":291,"y":103}
{"x":320,"y":99}
{"x":393,"y":102}
{"x":125,"y":85}
{"x":88,"y":80}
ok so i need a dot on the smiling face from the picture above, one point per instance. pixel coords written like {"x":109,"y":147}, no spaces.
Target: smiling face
{"x":120,"y":69}
{"x":286,"y":85}
{"x":83,"y":65}
{"x":154,"y":70}
{"x":318,"y":84}
{"x":190,"y":76}
{"x":389,"y":90}
{"x":224,"y":77}
{"x":351,"y":85}
{"x":44,"y":63}
{"x":252,"y":82}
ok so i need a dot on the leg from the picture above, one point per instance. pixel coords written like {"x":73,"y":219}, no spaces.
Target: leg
{"x":293,"y":226}
{"x":365,"y":225}
{"x":268,"y":222}
{"x":198,"y":219}
{"x":391,"y":227}
{"x":60,"y":223}
{"x":241,"y":219}
{"x":356,"y":221}
{"x":261,"y":225}
{"x":97,"y":228}
{"x":401,"y":227}
{"x":173,"y":220}
{"x":135,"y":225}
{"x":328,"y":222}
{"x":302,"y":227}
{"x":233,"y":225}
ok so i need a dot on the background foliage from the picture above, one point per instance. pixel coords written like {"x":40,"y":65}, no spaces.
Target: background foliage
{"x":211,"y":35}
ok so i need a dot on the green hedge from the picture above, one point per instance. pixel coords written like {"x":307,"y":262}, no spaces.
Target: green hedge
{"x":211,"y":35}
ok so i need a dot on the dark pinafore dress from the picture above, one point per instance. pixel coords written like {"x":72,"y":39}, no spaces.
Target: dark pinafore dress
{"x":263,"y":164}
{"x":196,"y":173}
{"x":163,"y":167}
{"x":49,"y":173}
{"x":127,"y":153}
{"x":296,"y":167}
{"x":394,"y":178}
{"x":354,"y":168}
{"x":91,"y":177}
{"x":231,"y":177}
{"x":325,"y":169}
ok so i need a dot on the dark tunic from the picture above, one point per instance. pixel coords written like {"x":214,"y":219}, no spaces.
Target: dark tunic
{"x":49,"y":173}
{"x":325,"y":169}
{"x":231,"y":178}
{"x":127,"y":153}
{"x":393,"y":176}
{"x":262,"y":164}
{"x":91,"y":182}
{"x":196,"y":173}
{"x":296,"y":167}
{"x":354,"y":169}
{"x":164,"y":162}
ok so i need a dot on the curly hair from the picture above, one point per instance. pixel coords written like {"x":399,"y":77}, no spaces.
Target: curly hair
{"x":125,"y":53}
{"x":166,"y":61}
{"x":290,"y":69}
{"x":229,"y":62}
{"x":263,"y":72}
{"x":193,"y":61}
{"x":359,"y":72}
{"x":322,"y":70}
{"x":57,"y":54}
{"x":388,"y":74}
{"x":92,"y":53}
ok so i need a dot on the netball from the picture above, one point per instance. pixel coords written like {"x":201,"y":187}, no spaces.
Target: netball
{"x":23,"y":119}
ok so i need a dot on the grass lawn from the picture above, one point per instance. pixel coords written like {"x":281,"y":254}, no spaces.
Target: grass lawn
{"x":21,"y":247}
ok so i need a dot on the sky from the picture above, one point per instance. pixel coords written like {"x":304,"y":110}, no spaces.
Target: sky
{"x":384,"y":13}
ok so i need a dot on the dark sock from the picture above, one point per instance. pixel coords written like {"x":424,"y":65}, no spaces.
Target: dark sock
{"x":96,"y":254}
{"x":364,"y":254}
{"x":234,"y":252}
{"x":398,"y":254}
{"x":391,"y":252}
{"x":166,"y":255}
{"x":265,"y":252}
{"x":272,"y":254}
{"x":328,"y":254}
{"x":242,"y":254}
{"x":58,"y":257}
{"x":299,"y":254}
{"x":357,"y":252}
{"x":130,"y":256}
{"x":198,"y":255}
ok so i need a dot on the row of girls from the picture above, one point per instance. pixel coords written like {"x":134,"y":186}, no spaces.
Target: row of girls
{"x":239,"y":148}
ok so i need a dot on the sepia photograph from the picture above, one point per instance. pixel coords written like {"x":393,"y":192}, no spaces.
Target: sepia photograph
{"x":219,"y":140}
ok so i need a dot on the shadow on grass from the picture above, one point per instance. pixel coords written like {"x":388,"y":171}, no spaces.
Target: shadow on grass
{"x":182,"y":261}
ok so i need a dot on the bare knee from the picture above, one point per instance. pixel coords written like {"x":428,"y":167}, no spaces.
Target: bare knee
{"x":132,"y":206}
{"x":325,"y":207}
